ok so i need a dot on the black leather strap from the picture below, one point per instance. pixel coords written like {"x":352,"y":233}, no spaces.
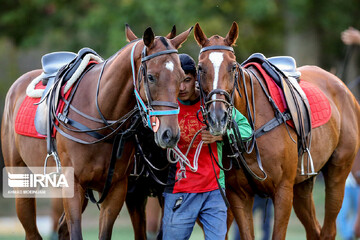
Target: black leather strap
{"x":80,"y":126}
{"x":118,"y":141}
{"x":146,"y":58}
{"x":165,"y":104}
{"x":273,"y":123}
{"x":216,"y":47}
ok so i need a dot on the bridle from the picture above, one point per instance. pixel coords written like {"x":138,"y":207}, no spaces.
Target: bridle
{"x":206,"y":100}
{"x":149,"y":115}
{"x":229,"y":102}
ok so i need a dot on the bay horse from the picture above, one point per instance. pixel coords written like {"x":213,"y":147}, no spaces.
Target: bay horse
{"x":151,"y":66}
{"x":333,"y":149}
{"x":149,"y":179}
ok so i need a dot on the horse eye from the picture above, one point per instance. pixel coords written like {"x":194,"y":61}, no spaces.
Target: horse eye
{"x":151,"y":78}
{"x":200,"y":68}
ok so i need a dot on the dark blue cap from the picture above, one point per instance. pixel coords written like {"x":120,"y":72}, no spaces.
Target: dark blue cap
{"x":187,"y":63}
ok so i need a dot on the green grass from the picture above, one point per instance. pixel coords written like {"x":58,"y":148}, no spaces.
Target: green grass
{"x":123,"y":229}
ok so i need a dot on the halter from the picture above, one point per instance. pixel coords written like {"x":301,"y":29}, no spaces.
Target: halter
{"x":206,"y":100}
{"x":149,"y":115}
{"x":229,"y":102}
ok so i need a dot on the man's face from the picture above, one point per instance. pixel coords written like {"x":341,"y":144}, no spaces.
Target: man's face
{"x":187,"y":88}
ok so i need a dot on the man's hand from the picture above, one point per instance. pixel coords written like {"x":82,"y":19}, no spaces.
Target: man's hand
{"x":351,"y":36}
{"x":208,"y":138}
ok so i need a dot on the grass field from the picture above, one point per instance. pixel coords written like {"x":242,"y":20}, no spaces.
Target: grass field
{"x":11,"y":229}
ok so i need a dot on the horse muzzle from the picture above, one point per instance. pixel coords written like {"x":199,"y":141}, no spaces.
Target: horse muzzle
{"x":217,"y":120}
{"x":167,"y":138}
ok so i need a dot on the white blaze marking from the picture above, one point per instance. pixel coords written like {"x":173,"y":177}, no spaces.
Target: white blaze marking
{"x":169,"y":65}
{"x":216,"y":58}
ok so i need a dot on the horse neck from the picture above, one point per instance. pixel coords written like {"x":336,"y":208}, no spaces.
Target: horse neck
{"x":116,"y":86}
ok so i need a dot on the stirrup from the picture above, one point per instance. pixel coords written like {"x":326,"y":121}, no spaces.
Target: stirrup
{"x":135,"y":172}
{"x":57,"y":162}
{"x":309,"y":162}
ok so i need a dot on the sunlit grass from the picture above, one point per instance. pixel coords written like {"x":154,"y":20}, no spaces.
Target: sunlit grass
{"x":123,"y":229}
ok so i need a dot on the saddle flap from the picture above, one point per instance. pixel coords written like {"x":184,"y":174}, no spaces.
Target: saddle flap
{"x":298,"y":106}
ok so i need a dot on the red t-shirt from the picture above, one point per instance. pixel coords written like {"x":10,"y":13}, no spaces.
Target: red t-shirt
{"x":203,"y":180}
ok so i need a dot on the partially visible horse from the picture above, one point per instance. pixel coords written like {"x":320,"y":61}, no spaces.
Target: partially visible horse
{"x":149,"y":179}
{"x":151,"y":66}
{"x":333,"y":147}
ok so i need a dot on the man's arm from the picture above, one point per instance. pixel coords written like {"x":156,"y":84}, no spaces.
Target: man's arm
{"x":243,"y":124}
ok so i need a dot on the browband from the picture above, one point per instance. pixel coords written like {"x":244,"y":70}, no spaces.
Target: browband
{"x":146,"y":58}
{"x":216,"y":47}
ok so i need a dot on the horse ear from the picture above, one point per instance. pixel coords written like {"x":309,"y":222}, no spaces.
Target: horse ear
{"x":199,"y":35}
{"x":181,"y":38}
{"x":148,"y":37}
{"x":232,"y":34}
{"x":130,"y":36}
{"x":172,"y":34}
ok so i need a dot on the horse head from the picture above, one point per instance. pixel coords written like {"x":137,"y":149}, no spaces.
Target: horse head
{"x":158,"y":83}
{"x":217,"y":73}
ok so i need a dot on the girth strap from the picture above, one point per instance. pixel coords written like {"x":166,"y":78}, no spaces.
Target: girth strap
{"x":118,"y":147}
{"x":119,"y":141}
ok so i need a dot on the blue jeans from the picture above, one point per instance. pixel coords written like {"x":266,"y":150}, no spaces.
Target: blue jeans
{"x":182,"y":209}
{"x":347,"y":215}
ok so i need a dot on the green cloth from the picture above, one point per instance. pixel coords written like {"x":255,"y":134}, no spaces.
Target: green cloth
{"x":245,"y":131}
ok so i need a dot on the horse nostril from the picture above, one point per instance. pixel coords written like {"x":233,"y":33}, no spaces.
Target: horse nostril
{"x":224,"y":118}
{"x":166,"y":136}
{"x":211,"y":119}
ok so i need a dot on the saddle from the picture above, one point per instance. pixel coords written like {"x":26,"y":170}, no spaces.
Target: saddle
{"x":283,"y":71}
{"x":66,"y":67}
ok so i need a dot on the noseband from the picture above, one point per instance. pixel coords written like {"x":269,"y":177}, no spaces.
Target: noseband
{"x":207,"y":100}
{"x":149,"y":115}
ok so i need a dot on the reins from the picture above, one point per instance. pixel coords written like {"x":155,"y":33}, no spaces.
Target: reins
{"x":182,"y":158}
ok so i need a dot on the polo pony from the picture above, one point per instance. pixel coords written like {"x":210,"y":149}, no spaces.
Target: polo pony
{"x":145,"y":73}
{"x":274,"y":167}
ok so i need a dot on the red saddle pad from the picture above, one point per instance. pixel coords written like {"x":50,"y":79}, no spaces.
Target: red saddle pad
{"x":24,"y":122}
{"x":319,"y":104}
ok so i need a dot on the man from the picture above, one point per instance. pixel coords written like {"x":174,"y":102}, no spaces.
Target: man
{"x":196,"y":194}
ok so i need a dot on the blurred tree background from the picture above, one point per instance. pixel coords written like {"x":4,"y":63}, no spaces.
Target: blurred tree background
{"x":308,"y":30}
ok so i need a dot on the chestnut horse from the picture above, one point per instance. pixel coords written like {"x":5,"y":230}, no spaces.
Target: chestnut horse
{"x":333,"y":149}
{"x":154,"y":57}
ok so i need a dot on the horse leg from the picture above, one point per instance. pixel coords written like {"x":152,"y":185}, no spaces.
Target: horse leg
{"x":282,"y":209}
{"x":73,"y":210}
{"x":111,"y":207}
{"x":229,"y":221}
{"x":335,"y":176}
{"x":26,"y":211}
{"x":241,"y":207}
{"x":136,"y":203}
{"x":25,"y":207}
{"x":305,"y":209}
{"x":63,"y":232}
{"x":57,"y":210}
